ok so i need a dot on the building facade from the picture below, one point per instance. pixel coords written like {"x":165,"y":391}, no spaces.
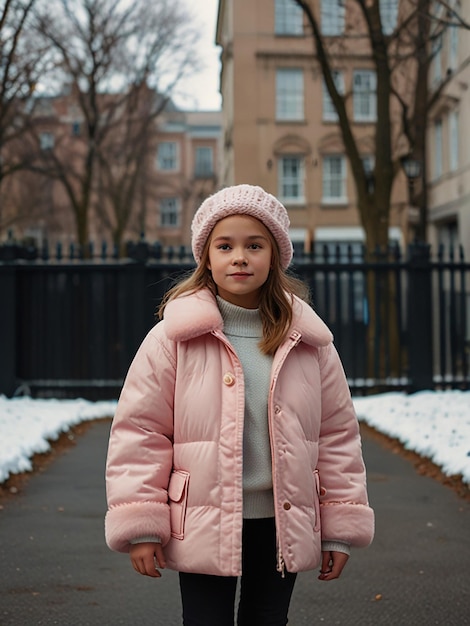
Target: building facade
{"x":188,"y":164}
{"x":448,"y":151}
{"x":280,"y":126}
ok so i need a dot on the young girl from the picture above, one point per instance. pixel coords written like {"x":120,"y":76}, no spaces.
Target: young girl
{"x":235,"y":449}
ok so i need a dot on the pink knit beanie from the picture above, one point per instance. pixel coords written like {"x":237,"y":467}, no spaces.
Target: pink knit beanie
{"x":247,"y":200}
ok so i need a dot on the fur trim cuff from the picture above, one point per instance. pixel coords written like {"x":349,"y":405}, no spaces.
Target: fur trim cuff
{"x":126,"y":522}
{"x":351,"y":523}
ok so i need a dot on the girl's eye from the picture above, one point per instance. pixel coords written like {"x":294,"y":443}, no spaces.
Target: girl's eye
{"x":223,"y":246}
{"x":255,"y":246}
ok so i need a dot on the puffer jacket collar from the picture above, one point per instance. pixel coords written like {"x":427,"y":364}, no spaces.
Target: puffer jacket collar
{"x":196,"y":314}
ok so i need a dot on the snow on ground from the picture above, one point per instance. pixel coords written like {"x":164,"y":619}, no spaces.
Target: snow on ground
{"x":433,"y":424}
{"x":28,"y":425}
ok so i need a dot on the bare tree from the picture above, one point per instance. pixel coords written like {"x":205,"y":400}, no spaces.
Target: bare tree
{"x":401,"y":59}
{"x":125,"y":186}
{"x":23,"y":60}
{"x":110,"y":54}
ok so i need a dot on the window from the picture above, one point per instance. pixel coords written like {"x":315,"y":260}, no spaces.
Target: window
{"x":288,"y":18}
{"x":332,"y":17}
{"x":437,"y":60}
{"x":203,"y":167}
{"x":368,"y":161}
{"x":365,"y":96}
{"x":169,"y":213}
{"x":448,"y":234}
{"x":453,"y":141}
{"x":334,"y":179}
{"x":388,"y":15}
{"x":453,"y":47}
{"x":291,"y":179}
{"x":76,"y":129}
{"x":289,"y":94}
{"x":46,"y":141}
{"x":167,"y":155}
{"x":329,"y":111}
{"x":437,"y":149}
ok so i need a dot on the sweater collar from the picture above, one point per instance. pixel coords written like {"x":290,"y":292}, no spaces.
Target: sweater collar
{"x":239,"y":321}
{"x":196,"y":314}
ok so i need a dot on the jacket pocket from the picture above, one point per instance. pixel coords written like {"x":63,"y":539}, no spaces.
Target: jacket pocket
{"x":316,"y":500}
{"x":178,"y":498}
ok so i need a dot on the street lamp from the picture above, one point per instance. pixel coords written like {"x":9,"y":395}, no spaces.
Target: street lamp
{"x":413,"y":170}
{"x":412,"y":167}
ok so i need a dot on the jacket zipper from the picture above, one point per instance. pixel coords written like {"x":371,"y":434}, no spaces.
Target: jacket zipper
{"x":281,"y":564}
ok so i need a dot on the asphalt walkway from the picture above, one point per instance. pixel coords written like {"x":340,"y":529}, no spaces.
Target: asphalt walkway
{"x":56,"y":569}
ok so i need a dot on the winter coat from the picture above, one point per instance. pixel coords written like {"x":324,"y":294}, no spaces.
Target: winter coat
{"x":174,"y":467}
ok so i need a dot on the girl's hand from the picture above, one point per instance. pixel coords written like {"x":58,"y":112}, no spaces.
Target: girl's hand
{"x":146,"y":558}
{"x":332,"y":565}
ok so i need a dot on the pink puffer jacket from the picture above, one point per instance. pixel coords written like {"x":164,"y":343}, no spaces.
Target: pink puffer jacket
{"x":174,"y":465}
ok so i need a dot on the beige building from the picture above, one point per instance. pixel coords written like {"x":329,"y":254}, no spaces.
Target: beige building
{"x":280,"y":127}
{"x":448,"y":148}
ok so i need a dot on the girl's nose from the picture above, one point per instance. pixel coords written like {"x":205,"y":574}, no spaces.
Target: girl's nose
{"x":239,"y":259}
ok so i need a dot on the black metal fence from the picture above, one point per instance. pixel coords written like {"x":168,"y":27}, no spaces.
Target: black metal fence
{"x":69,"y":327}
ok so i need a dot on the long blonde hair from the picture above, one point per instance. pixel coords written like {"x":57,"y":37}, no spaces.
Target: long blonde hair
{"x":276,"y":296}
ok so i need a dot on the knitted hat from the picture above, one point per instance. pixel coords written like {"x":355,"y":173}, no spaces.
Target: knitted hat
{"x":246,"y":200}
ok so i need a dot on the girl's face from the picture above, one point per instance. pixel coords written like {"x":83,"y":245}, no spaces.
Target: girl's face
{"x":240,"y":256}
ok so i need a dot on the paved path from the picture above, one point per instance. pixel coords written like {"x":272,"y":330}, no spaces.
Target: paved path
{"x":56,"y":569}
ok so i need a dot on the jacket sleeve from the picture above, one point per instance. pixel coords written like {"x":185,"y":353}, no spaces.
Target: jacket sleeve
{"x":140,"y":449}
{"x":345,"y":512}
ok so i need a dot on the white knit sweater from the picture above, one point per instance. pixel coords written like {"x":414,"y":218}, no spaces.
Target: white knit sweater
{"x":244,"y":330}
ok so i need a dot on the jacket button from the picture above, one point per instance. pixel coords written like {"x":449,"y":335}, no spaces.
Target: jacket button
{"x":286,"y":506}
{"x":229,"y":379}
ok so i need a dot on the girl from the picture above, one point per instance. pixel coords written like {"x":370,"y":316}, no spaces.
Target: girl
{"x":235,"y":449}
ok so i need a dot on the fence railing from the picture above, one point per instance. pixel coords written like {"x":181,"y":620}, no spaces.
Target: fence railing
{"x":70,"y":326}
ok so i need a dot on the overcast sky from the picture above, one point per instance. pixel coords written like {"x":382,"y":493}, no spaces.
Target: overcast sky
{"x":203,"y":89}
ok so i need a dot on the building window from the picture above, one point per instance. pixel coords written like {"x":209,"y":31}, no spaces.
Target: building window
{"x":46,"y":141}
{"x":167,"y":156}
{"x":448,"y":234}
{"x":329,"y":110}
{"x":368,"y":162}
{"x":204,"y":162}
{"x":169,"y":212}
{"x":334,"y":179}
{"x":437,"y":149}
{"x":365,"y":96}
{"x":289,"y":94}
{"x":388,"y":15}
{"x":436,"y":48}
{"x":332,"y":17}
{"x":453,"y":47}
{"x":291,"y":179}
{"x":76,"y":129}
{"x":288,"y":18}
{"x":453,"y":141}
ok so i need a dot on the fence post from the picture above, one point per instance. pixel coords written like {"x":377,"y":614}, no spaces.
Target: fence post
{"x":420,"y":317}
{"x":7,"y":329}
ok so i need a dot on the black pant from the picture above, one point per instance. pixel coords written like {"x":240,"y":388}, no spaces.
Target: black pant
{"x":264,"y":594}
